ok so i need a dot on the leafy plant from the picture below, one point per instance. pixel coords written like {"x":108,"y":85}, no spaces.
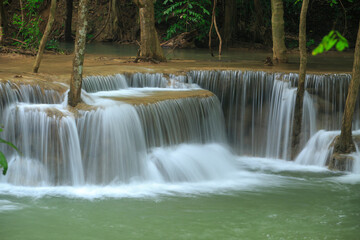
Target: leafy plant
{"x":310,"y":42}
{"x":190,"y":15}
{"x":28,"y":25}
{"x":3,"y":162}
{"x":334,"y":38}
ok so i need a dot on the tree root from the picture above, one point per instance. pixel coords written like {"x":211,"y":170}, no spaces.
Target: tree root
{"x":4,"y":49}
{"x":146,"y":59}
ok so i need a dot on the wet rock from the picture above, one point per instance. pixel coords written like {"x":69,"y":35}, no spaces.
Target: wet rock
{"x":341,"y":162}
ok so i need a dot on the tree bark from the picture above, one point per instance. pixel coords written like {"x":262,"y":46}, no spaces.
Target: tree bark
{"x":344,"y":143}
{"x":301,"y":83}
{"x":115,"y":15}
{"x":76,"y":75}
{"x":149,"y":41}
{"x":278,"y":32}
{"x":229,"y":21}
{"x":3,"y":23}
{"x":45,"y":36}
{"x":68,"y":20}
{"x":259,"y":22}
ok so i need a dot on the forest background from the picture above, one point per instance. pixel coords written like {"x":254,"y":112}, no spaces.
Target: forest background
{"x":242,"y":23}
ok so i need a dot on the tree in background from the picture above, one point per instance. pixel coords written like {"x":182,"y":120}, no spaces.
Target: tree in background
{"x":301,"y":82}
{"x":79,"y":53}
{"x":149,"y":42}
{"x":45,"y":36}
{"x":278,"y":32}
{"x":229,"y":21}
{"x":3,"y":23}
{"x":344,"y":143}
{"x":68,"y":20}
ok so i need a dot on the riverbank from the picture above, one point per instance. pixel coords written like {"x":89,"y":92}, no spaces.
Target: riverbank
{"x":18,"y":68}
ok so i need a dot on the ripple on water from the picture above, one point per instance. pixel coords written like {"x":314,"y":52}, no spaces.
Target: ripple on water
{"x":6,"y":205}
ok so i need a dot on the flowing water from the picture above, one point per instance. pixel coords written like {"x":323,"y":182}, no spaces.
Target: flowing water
{"x":211,"y":167}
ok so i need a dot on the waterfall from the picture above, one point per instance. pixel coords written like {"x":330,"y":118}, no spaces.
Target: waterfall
{"x":120,"y":81}
{"x":258,"y":107}
{"x":166,"y":140}
{"x":190,"y":120}
{"x":111,"y":142}
{"x":104,"y":83}
{"x":13,"y":93}
{"x":47,"y":138}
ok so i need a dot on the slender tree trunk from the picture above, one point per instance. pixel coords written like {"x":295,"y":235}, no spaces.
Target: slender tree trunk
{"x":68,"y":20}
{"x":76,"y":75}
{"x":344,"y":143}
{"x":3,"y":23}
{"x":301,"y":83}
{"x":278,"y":32}
{"x":45,"y":36}
{"x":149,"y":41}
{"x":229,"y":21}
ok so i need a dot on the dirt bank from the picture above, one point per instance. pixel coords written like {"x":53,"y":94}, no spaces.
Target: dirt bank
{"x":57,"y":68}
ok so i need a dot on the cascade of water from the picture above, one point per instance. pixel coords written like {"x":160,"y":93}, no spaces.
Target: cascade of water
{"x":281,"y":116}
{"x":12,"y":93}
{"x":47,"y":139}
{"x":190,"y":163}
{"x":112,"y":144}
{"x":258,"y":107}
{"x":317,"y":149}
{"x":105,"y":145}
{"x":191,"y":120}
{"x":140,"y":80}
{"x":120,"y":143}
{"x":104,"y":83}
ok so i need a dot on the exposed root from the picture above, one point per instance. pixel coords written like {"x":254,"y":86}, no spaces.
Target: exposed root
{"x":146,"y":59}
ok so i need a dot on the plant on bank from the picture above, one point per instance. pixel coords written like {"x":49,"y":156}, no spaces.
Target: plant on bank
{"x":334,"y":38}
{"x":27,"y":24}
{"x":190,"y":15}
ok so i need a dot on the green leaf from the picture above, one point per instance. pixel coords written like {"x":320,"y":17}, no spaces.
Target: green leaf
{"x":340,"y":46}
{"x":10,"y":144}
{"x":3,"y":163}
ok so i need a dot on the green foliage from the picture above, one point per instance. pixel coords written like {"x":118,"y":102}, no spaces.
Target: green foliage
{"x":334,"y":38}
{"x":190,"y":15}
{"x":310,"y":42}
{"x":27,"y":25}
{"x":3,"y":162}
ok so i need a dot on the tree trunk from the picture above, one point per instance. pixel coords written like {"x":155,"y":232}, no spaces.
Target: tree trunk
{"x":229,"y":21}
{"x":3,"y":23}
{"x":301,"y":83}
{"x":259,"y":22}
{"x":68,"y":20}
{"x":45,"y":36}
{"x":278,"y":32}
{"x":76,"y":75}
{"x":344,"y":143}
{"x":149,"y":41}
{"x":115,"y":15}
